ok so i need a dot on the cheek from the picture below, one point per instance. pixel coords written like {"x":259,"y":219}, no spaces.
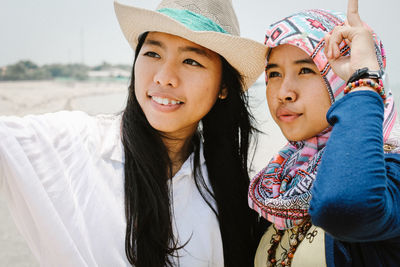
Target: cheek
{"x":138,"y":67}
{"x":143,"y":69}
{"x":325,"y":102}
{"x":271,"y":100}
{"x":320,"y":95}
{"x":139,"y":92}
{"x":206,"y":99}
{"x":137,"y":74}
{"x":208,"y":86}
{"x":319,"y":108}
{"x":268,"y":93}
{"x":325,"y":107}
{"x":143,"y":77}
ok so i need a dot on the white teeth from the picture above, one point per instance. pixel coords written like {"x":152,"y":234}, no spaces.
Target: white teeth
{"x":165,"y":101}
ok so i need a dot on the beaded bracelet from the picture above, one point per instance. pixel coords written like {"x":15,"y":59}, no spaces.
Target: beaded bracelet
{"x":378,"y":87}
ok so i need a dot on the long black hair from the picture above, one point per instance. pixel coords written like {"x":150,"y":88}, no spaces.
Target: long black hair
{"x":225,"y":133}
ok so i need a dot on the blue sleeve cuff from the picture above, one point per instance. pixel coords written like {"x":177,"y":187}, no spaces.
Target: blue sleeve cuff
{"x":360,"y":101}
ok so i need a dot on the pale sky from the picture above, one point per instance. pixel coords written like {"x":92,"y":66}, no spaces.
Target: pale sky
{"x":68,"y":31}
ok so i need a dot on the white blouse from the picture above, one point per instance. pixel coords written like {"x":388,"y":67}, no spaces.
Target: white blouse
{"x":62,"y":175}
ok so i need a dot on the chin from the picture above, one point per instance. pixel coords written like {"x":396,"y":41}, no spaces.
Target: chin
{"x":296,"y":137}
{"x":292,"y":136}
{"x":160,"y":126}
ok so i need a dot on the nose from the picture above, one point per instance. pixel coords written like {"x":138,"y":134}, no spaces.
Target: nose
{"x":166,"y":75}
{"x":287,"y":92}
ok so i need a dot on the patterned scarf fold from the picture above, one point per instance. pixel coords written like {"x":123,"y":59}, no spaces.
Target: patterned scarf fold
{"x":281,"y":191}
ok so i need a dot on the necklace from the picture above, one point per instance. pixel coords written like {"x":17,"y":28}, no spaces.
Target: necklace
{"x":298,"y":235}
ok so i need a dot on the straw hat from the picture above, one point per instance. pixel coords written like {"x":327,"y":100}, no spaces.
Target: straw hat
{"x":209,"y":23}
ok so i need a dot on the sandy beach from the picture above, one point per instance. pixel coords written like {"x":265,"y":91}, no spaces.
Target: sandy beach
{"x":21,"y":98}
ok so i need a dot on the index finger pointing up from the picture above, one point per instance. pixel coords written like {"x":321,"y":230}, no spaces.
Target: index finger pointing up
{"x":353,"y":17}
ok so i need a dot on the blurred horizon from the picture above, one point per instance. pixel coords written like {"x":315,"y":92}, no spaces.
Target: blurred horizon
{"x":87,"y":31}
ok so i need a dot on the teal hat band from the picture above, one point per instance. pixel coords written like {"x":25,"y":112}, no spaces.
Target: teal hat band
{"x":192,"y":20}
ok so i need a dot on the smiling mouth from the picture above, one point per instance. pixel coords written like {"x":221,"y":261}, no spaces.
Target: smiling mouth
{"x":165,"y":101}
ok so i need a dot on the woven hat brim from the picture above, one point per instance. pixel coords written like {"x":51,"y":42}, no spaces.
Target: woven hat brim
{"x":245,"y":55}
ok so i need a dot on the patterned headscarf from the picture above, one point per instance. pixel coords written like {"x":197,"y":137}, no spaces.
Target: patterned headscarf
{"x":281,"y":191}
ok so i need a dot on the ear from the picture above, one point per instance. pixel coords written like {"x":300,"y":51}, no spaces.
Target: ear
{"x":223,"y":93}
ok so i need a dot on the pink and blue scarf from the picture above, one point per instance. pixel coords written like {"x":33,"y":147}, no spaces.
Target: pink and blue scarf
{"x":281,"y":191}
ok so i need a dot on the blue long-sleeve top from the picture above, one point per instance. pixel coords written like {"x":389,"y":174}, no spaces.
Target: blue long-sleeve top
{"x":356,"y":195}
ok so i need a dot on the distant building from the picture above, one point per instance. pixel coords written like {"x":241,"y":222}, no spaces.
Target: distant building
{"x":109,"y":73}
{"x":3,"y":70}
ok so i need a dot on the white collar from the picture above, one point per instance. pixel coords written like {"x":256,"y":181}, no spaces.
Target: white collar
{"x":188,"y":166}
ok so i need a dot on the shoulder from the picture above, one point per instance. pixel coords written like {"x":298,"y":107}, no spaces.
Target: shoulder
{"x":57,"y":120}
{"x":63,"y":127}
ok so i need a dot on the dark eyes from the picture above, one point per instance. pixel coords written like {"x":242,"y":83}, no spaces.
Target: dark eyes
{"x":152,"y":54}
{"x":306,"y":71}
{"x":188,"y":61}
{"x":192,"y":62}
{"x":273,"y":74}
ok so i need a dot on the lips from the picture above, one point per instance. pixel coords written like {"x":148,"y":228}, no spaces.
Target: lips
{"x":165,"y":99}
{"x":287,"y":115}
{"x":164,"y":103}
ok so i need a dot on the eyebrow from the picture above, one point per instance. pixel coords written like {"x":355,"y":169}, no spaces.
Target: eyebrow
{"x":270,"y":66}
{"x":154,"y":42}
{"x":304,"y":61}
{"x":196,"y":50}
{"x":297,"y":62}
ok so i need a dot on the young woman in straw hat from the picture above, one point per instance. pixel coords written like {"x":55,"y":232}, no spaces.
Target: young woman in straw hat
{"x":154,"y":186}
{"x":332,"y":194}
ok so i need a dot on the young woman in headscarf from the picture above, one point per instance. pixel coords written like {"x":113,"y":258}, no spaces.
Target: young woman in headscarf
{"x":163,"y":184}
{"x":332,"y":194}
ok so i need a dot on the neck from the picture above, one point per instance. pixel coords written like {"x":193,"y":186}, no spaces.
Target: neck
{"x":178,"y":151}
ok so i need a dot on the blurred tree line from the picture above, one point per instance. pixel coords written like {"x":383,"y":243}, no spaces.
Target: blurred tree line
{"x":28,"y":70}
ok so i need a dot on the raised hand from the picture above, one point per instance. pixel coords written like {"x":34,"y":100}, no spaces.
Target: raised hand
{"x":359,"y":37}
